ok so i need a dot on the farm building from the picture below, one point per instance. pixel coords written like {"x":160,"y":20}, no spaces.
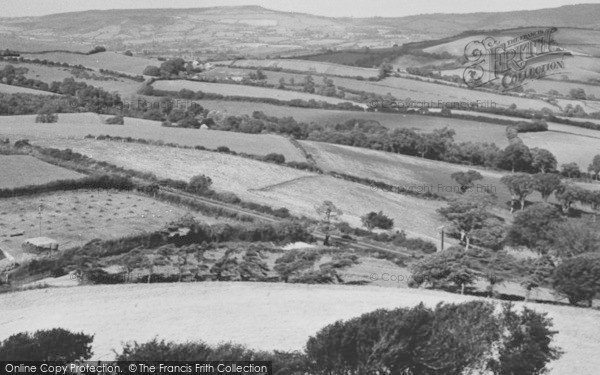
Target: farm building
{"x":40,"y":245}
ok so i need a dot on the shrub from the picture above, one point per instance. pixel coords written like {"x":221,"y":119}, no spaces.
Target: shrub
{"x":116,"y":120}
{"x":578,"y":278}
{"x":46,"y":118}
{"x":152,"y":70}
{"x":276,"y":158}
{"x":47,"y":345}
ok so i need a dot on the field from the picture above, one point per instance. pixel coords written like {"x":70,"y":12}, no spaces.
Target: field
{"x":267,"y":183}
{"x":10,"y":89}
{"x":241,"y":90}
{"x":306,"y":66}
{"x":28,"y":44}
{"x":125,"y":87}
{"x":567,"y":148}
{"x":259,"y":315}
{"x":74,"y":218}
{"x":21,"y":170}
{"x":78,"y":125}
{"x":103,"y":60}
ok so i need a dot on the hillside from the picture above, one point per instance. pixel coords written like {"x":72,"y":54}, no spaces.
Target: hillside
{"x":267,"y":31}
{"x":260,"y":315}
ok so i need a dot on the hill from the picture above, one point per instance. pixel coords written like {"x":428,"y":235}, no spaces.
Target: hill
{"x":259,"y":315}
{"x":269,"y":32}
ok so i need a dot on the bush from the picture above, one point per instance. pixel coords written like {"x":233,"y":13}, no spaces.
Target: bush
{"x":56,"y":344}
{"x":578,"y":278}
{"x":152,"y":70}
{"x":46,"y":118}
{"x":116,"y":120}
{"x":97,"y":49}
{"x":276,"y":158}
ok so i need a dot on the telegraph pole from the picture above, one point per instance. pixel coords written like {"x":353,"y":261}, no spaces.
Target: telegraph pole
{"x":40,"y":217}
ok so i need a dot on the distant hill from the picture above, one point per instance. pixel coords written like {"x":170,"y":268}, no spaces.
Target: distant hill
{"x":253,"y":30}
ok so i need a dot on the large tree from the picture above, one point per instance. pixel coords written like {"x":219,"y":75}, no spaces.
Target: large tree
{"x":594,"y":168}
{"x":534,"y":227}
{"x":448,"y":269}
{"x":465,"y":179}
{"x":546,"y":184}
{"x":466,"y":214}
{"x":520,"y":186}
{"x":578,"y":278}
{"x":543,"y":160}
{"x":329,"y":213}
{"x":516,"y":157}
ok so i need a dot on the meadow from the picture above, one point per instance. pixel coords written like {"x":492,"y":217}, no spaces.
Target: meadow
{"x":78,"y":125}
{"x":103,"y":60}
{"x":305,"y":66}
{"x":74,"y":218}
{"x":242,"y":90}
{"x":10,"y":89}
{"x":22,"y":170}
{"x":266,"y":183}
{"x":260,"y":315}
{"x":48,"y":74}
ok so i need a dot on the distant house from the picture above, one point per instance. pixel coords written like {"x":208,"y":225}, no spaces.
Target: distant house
{"x":203,"y":127}
{"x":40,"y":245}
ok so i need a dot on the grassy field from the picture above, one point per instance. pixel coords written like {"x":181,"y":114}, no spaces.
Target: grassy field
{"x":74,"y":218}
{"x":241,"y":90}
{"x":78,"y":125}
{"x":103,"y":60}
{"x":306,"y":66}
{"x":21,"y":170}
{"x":267,"y":183}
{"x":125,"y":87}
{"x":259,"y":315}
{"x":10,"y":89}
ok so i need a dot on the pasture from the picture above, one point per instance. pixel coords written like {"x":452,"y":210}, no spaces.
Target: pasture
{"x":22,"y":170}
{"x":260,"y":315}
{"x":78,"y":125}
{"x":316,"y":67}
{"x":74,"y":218}
{"x":10,"y":89}
{"x":266,"y":183}
{"x":103,"y":60}
{"x":243,"y":90}
{"x":49,"y":74}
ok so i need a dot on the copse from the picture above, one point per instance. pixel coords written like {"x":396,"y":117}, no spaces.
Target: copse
{"x":57,"y":345}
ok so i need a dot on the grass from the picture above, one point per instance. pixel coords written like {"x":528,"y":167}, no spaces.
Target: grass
{"x":74,"y":218}
{"x":10,"y":89}
{"x":21,"y":170}
{"x":309,"y":66}
{"x":103,"y":60}
{"x":265,"y":183}
{"x":274,"y":316}
{"x":78,"y":125}
{"x":48,"y":74}
{"x":242,"y":90}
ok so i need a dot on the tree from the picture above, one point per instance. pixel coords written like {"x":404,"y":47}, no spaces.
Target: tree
{"x":543,"y":160}
{"x":281,"y":85}
{"x":448,"y":269}
{"x":567,"y":195}
{"x":578,"y":94}
{"x":451,"y":339}
{"x":574,"y":237}
{"x":329,"y":213}
{"x":274,"y":157}
{"x":534,"y":226}
{"x":578,"y":278}
{"x":570,"y":170}
{"x":516,"y":157}
{"x":465,"y":180}
{"x":152,"y":70}
{"x":309,"y":84}
{"x":538,"y":271}
{"x":594,"y":168}
{"x":546,"y":184}
{"x":200,"y":184}
{"x":520,"y":186}
{"x":57,"y":345}
{"x":466,"y":214}
{"x":377,"y":220}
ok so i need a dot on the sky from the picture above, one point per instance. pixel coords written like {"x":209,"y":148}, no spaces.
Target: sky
{"x":331,"y":8}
